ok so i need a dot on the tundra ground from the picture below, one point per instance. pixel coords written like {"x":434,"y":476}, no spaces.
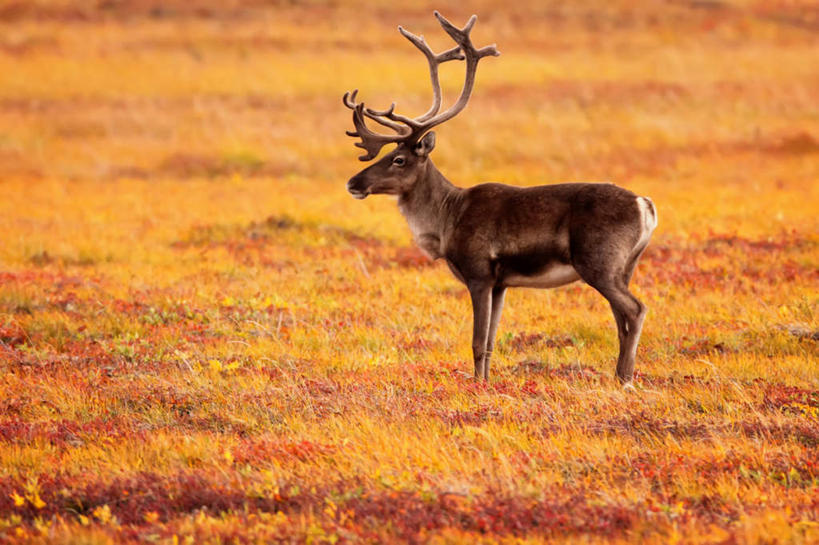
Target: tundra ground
{"x":204,"y":339}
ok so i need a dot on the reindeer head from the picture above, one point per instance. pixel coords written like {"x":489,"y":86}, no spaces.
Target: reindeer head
{"x":398,"y":171}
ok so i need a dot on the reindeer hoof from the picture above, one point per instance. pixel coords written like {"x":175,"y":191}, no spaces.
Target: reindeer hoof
{"x":629,"y":387}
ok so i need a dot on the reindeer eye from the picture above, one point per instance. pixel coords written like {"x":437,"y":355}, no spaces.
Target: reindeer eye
{"x":399,"y":161}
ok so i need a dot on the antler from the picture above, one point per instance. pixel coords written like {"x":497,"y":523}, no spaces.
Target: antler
{"x":409,"y":129}
{"x":371,"y":141}
{"x":461,"y":37}
{"x":434,"y":60}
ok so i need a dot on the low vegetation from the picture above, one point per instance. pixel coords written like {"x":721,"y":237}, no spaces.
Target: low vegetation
{"x":204,"y":339}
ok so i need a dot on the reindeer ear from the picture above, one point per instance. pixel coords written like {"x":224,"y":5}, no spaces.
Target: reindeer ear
{"x":426,"y":145}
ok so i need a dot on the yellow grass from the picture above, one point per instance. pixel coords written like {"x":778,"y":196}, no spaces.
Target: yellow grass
{"x":203,"y":338}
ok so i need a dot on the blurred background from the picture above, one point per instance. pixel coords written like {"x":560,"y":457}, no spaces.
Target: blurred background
{"x":203,"y":334}
{"x":711,"y":103}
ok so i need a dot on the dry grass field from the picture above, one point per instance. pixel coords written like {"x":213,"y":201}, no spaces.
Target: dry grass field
{"x":205,"y":339}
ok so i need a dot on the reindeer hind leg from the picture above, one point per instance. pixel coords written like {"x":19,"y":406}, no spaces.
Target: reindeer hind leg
{"x":628,"y":311}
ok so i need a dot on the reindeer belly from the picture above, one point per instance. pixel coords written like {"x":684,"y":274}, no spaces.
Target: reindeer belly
{"x":535,"y":259}
{"x":552,"y":276}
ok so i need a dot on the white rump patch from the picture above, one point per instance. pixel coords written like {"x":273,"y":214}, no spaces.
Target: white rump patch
{"x":648,"y":213}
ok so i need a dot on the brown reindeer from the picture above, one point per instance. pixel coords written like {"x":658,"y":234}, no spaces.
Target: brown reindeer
{"x":496,"y":236}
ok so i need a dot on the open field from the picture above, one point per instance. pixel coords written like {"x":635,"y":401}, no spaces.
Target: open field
{"x":205,"y":339}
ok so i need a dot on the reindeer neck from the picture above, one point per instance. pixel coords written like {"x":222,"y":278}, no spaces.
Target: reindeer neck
{"x":427,"y":206}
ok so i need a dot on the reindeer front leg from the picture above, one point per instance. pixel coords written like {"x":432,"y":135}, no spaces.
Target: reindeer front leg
{"x":497,"y":308}
{"x":481,"y":294}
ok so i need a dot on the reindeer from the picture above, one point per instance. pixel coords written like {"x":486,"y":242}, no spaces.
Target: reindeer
{"x":495,"y":236}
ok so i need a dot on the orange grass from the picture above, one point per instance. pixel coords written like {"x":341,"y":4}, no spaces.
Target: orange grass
{"x":204,"y":339}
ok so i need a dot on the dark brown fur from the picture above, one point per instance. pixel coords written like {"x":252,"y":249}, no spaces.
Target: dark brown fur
{"x":495,"y":236}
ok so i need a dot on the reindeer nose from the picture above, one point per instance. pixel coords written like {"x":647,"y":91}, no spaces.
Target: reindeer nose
{"x":354,"y":186}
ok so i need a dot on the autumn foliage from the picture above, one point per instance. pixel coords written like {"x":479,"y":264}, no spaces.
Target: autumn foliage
{"x":204,"y":339}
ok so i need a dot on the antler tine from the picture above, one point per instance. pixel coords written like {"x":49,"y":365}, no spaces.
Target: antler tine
{"x":349,"y":99}
{"x":457,"y":34}
{"x":388,"y":111}
{"x":462,"y":38}
{"x":378,"y":117}
{"x":434,"y":60}
{"x":371,"y":141}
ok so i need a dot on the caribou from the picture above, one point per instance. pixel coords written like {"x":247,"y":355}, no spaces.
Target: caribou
{"x":495,"y":236}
